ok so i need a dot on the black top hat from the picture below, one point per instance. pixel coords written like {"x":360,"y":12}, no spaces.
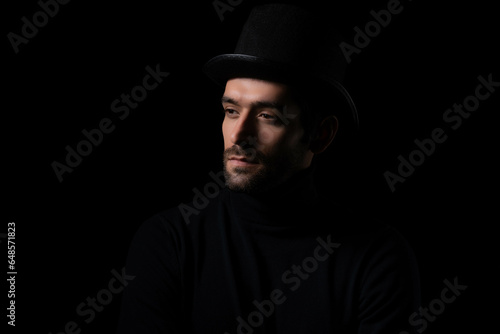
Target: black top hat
{"x":285,"y":43}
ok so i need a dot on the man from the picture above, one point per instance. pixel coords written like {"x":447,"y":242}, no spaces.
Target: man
{"x":268,"y":254}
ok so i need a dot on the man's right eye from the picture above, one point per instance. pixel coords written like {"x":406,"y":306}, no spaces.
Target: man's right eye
{"x":230,"y":112}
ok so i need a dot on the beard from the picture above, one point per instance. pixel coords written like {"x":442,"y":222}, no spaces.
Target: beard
{"x":268,"y":172}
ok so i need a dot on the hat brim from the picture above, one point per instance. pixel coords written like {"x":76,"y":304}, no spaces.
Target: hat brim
{"x":227,"y":66}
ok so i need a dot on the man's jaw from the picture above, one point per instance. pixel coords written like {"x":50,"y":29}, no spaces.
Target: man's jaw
{"x":241,"y":173}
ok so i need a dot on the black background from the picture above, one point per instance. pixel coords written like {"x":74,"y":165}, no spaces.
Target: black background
{"x":70,"y":235}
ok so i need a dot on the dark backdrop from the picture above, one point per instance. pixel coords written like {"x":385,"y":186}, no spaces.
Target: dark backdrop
{"x":70,"y":235}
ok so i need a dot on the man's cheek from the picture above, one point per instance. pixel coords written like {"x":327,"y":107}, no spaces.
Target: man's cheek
{"x":270,"y":136}
{"x":225,"y":135}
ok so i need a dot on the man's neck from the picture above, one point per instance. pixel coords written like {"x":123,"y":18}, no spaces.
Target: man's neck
{"x":287,"y":203}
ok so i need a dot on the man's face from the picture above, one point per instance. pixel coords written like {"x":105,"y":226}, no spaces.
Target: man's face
{"x":262,"y":135}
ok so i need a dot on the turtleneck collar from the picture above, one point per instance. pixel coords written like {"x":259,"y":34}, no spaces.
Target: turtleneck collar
{"x":291,"y":203}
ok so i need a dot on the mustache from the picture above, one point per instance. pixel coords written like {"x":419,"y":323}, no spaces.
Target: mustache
{"x":249,"y":153}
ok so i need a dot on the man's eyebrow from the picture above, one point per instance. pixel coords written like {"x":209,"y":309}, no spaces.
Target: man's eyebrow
{"x":256,"y":104}
{"x":227,"y":99}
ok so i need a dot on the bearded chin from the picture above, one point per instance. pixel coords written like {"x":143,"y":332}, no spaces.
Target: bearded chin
{"x":242,"y":180}
{"x":271,"y":173}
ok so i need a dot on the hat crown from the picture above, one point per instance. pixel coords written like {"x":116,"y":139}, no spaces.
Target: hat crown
{"x":285,"y":43}
{"x":288,"y":34}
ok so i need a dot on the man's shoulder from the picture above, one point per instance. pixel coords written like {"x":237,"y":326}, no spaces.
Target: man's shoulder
{"x":184,"y":215}
{"x":163,"y":224}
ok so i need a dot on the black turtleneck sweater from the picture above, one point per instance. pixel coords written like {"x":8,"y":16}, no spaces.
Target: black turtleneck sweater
{"x":287,"y":261}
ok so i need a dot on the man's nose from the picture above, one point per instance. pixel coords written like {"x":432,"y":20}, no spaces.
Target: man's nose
{"x":243,"y":129}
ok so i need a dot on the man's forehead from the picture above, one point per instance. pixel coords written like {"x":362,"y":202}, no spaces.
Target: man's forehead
{"x":256,"y":91}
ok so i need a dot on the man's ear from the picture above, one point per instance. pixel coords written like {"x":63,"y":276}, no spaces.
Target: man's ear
{"x":324,"y":135}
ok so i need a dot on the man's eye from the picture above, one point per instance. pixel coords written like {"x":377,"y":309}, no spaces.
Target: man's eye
{"x":230,"y":111}
{"x":268,"y":116}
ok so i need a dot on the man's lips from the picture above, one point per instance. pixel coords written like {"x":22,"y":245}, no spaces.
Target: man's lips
{"x":241,"y":161}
